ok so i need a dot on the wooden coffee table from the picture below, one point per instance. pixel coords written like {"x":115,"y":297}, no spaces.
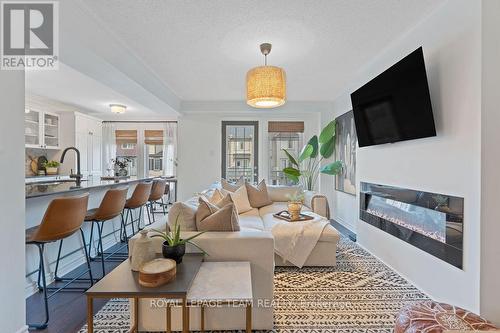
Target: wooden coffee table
{"x":122,"y":282}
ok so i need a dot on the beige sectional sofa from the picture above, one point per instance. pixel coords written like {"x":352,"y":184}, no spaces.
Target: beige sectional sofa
{"x":253,"y":243}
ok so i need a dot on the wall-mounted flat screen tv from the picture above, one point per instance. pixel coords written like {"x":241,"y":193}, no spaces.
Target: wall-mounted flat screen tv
{"x":396,"y":105}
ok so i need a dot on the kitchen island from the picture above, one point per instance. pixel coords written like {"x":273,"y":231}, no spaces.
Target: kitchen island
{"x":38,"y":197}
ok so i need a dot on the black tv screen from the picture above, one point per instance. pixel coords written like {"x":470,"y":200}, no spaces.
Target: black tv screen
{"x":396,"y":105}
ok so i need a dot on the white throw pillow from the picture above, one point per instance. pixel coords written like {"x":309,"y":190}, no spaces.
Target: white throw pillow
{"x":240,"y":199}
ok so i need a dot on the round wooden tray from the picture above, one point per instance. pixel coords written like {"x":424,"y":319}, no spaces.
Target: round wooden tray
{"x":157,"y":272}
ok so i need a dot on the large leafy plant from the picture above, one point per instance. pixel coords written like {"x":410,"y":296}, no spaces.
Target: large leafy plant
{"x":305,"y":167}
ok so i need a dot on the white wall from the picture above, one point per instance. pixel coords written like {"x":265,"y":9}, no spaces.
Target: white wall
{"x":448,"y":163}
{"x":12,"y":307}
{"x":200,"y":140}
{"x":490,"y":160}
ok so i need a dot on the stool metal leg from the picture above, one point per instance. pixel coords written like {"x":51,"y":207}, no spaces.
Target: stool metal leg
{"x":132,"y":220}
{"x":149,"y":210}
{"x":91,"y":240}
{"x":153,"y":211}
{"x":56,"y":277}
{"x":163,"y":206}
{"x":43,"y":325}
{"x":87,"y":257}
{"x":99,"y":228}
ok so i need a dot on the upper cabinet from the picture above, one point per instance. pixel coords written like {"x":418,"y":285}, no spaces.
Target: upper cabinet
{"x":41,"y":129}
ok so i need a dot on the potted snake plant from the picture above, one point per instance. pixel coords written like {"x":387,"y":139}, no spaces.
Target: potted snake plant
{"x":174,"y":247}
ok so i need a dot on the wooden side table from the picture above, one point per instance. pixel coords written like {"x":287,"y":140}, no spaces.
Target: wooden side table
{"x":222,"y":283}
{"x":123,"y":283}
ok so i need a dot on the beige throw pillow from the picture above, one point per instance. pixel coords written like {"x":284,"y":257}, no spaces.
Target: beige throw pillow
{"x":232,"y":187}
{"x":210,"y":217}
{"x":186,"y":215}
{"x":280,"y":193}
{"x":258,"y":196}
{"x":216,"y":196}
{"x":240,"y":199}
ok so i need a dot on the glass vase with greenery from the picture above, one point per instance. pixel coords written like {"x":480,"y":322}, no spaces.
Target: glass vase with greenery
{"x":305,"y":168}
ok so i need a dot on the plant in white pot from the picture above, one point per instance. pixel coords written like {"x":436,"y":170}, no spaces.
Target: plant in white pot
{"x":51,"y":167}
{"x":306,"y":167}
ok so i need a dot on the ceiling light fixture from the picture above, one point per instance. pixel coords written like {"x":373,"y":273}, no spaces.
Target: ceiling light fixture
{"x":266,"y":85}
{"x":118,"y":108}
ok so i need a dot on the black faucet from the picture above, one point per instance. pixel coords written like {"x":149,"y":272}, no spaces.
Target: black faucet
{"x":78,"y":175}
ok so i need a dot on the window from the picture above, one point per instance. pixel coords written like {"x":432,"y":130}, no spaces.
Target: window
{"x":142,"y":146}
{"x":128,"y":146}
{"x":239,"y":150}
{"x":153,"y":140}
{"x":126,"y":150}
{"x":283,"y":135}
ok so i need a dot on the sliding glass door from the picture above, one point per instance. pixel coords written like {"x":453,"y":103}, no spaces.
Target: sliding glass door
{"x":240,"y":150}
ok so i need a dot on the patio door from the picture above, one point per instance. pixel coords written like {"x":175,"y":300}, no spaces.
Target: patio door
{"x":240,"y":150}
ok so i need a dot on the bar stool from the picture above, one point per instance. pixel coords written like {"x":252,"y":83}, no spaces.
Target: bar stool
{"x":138,"y":200}
{"x":111,"y":206}
{"x":166,"y":193}
{"x":157,"y":192}
{"x":63,"y":217}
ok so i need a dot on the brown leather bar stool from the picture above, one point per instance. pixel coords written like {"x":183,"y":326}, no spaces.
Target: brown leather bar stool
{"x":63,"y":217}
{"x":138,"y":200}
{"x":111,"y":206}
{"x":157,"y":192}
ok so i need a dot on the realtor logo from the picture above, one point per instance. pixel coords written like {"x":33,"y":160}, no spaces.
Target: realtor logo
{"x":29,"y":35}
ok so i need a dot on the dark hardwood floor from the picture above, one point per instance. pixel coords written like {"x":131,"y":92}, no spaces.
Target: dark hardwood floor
{"x":67,"y":310}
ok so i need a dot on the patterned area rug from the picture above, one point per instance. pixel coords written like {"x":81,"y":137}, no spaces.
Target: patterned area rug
{"x":360,"y":294}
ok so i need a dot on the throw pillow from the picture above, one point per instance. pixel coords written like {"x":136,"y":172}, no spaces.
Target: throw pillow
{"x":210,"y":217}
{"x":280,"y":193}
{"x":232,"y":187}
{"x":240,"y":199}
{"x":186,"y":214}
{"x":216,"y":196}
{"x":258,"y":196}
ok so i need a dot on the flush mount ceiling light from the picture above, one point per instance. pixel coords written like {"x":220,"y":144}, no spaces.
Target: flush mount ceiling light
{"x":266,"y":85}
{"x":118,"y":108}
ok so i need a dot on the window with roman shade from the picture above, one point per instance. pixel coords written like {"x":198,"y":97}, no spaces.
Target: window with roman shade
{"x":286,"y":126}
{"x":283,"y":135}
{"x":125,"y":137}
{"x":153,"y":137}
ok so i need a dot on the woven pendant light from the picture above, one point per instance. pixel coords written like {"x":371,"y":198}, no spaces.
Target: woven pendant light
{"x":266,"y":85}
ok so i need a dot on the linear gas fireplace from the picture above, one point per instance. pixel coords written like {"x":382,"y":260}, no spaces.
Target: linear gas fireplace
{"x":430,"y":221}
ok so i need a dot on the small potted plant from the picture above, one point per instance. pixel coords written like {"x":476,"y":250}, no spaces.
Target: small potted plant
{"x":51,"y":167}
{"x":174,"y":247}
{"x":295,"y":202}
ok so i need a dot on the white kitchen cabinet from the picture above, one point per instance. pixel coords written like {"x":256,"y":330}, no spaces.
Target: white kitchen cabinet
{"x":41,"y":129}
{"x":88,"y":140}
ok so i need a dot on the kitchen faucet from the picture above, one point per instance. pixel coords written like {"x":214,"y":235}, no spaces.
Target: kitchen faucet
{"x":78,"y":175}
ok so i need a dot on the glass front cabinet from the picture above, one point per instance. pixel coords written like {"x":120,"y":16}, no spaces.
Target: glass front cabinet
{"x":41,"y":129}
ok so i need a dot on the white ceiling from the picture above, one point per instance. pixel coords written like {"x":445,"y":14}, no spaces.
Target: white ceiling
{"x":202,"y":49}
{"x":86,"y":94}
